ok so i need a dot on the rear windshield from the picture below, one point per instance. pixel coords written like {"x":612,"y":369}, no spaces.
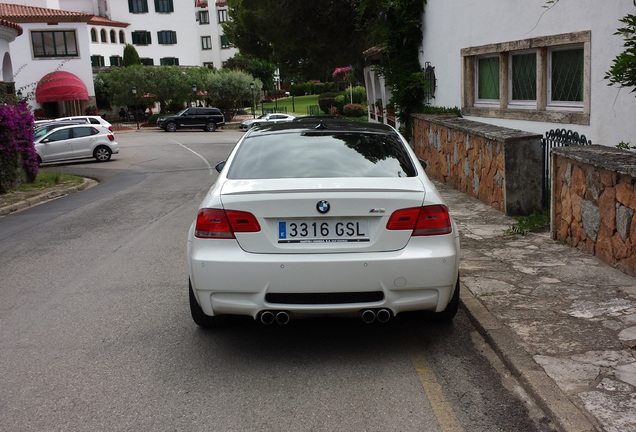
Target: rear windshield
{"x":320,"y":155}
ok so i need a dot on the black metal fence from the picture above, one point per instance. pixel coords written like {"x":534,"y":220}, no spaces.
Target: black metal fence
{"x":556,"y":138}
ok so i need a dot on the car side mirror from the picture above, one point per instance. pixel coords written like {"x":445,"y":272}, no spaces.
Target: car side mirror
{"x":219,"y":166}
{"x":423,"y":163}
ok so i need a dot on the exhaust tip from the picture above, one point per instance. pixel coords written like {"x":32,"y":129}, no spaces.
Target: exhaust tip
{"x":268,"y":317}
{"x":368,"y":316}
{"x":384,"y":315}
{"x":282,"y":318}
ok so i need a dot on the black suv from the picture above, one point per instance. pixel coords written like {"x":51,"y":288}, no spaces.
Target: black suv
{"x":207,"y":119}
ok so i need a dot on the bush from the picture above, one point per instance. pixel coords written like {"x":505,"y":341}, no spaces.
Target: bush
{"x":326,"y":103}
{"x":354,"y":110}
{"x":359,"y":95}
{"x":18,"y":159}
{"x":340,"y":103}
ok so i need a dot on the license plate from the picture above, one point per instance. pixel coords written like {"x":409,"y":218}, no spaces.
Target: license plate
{"x":323,"y":231}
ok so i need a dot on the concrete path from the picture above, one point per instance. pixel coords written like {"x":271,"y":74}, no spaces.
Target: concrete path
{"x":562,"y":321}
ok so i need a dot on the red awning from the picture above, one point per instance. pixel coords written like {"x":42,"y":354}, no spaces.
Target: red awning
{"x":60,"y":86}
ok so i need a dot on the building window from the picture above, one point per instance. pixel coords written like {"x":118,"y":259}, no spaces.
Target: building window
{"x":113,"y":37}
{"x":102,"y":35}
{"x":488,"y":80}
{"x":93,"y":35}
{"x":138,"y":6}
{"x":54,"y":44}
{"x":538,"y":79}
{"x":224,"y":42}
{"x":222,"y":15}
{"x":147,"y":61}
{"x":204,"y":17}
{"x":169,"y":61}
{"x":141,"y":38}
{"x":167,"y":37}
{"x":115,"y":60}
{"x":97,"y":61}
{"x":566,"y":78}
{"x":122,"y":37}
{"x":523,"y":79}
{"x":164,"y":6}
{"x":206,"y":42}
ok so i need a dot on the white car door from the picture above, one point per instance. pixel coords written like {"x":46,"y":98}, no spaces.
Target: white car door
{"x":83,"y":141}
{"x":56,"y":145}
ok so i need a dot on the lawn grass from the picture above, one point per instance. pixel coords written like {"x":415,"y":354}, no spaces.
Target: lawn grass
{"x":45,"y":180}
{"x":300,"y":104}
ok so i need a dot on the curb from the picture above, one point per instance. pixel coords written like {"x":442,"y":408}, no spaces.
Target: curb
{"x":541,"y":388}
{"x":44,"y":197}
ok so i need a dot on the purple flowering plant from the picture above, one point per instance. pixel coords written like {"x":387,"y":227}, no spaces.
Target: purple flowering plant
{"x":17,"y":150}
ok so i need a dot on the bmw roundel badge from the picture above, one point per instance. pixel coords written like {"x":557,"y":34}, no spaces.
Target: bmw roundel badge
{"x":323,"y":206}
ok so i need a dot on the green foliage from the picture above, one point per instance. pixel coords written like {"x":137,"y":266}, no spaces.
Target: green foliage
{"x":354,"y":110}
{"x":400,"y":35}
{"x":326,"y":103}
{"x":227,"y":88}
{"x":131,"y":57}
{"x":625,"y":146}
{"x":623,"y":70}
{"x":536,"y":222}
{"x":339,"y":103}
{"x":360,"y":95}
{"x":425,"y":109}
{"x":306,"y":40}
{"x":48,"y":179}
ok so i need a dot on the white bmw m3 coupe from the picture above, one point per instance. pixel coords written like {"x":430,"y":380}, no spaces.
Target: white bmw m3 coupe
{"x":322,"y":217}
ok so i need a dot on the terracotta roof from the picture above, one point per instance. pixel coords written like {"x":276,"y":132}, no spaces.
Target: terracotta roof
{"x":12,"y":25}
{"x":97,"y":20}
{"x":30,"y":14}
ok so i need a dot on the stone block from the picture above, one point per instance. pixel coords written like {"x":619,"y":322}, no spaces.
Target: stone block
{"x":578,"y":181}
{"x":625,"y":195}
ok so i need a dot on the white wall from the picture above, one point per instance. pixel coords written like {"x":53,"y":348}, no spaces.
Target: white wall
{"x":28,"y":70}
{"x":449,"y":26}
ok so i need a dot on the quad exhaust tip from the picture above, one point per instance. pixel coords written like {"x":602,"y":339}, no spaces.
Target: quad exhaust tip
{"x":369,"y":316}
{"x":279,"y":317}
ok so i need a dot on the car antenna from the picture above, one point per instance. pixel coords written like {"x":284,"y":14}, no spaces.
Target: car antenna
{"x":321,"y":125}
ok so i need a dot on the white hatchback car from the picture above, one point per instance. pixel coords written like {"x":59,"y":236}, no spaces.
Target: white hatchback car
{"x":96,"y":120}
{"x":79,"y":141}
{"x":322,"y":217}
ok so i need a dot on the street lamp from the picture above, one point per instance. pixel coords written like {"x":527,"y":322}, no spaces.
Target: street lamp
{"x":252,"y":88}
{"x":275,"y":98}
{"x":134,"y":92}
{"x":292,"y":94}
{"x":194,"y":94}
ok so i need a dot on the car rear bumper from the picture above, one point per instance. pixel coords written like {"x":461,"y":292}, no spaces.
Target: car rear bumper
{"x":227,"y":280}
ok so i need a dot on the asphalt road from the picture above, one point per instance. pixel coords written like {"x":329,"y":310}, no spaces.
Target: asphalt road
{"x":95,"y":330}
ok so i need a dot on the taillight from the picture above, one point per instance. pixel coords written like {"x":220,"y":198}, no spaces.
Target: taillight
{"x":110,"y":128}
{"x":424,"y":221}
{"x":110,"y":137}
{"x":217,"y":223}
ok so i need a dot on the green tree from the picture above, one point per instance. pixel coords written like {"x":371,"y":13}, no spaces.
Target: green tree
{"x":227,"y":89}
{"x":304,"y":39}
{"x":131,"y":57}
{"x":623,"y":70}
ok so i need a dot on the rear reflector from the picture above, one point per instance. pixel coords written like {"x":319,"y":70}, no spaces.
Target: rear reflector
{"x":424,"y":221}
{"x":217,"y":223}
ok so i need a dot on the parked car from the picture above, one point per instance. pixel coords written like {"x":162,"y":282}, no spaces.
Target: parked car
{"x":78,"y":141}
{"x":96,"y":120}
{"x":266,"y":118}
{"x":322,"y":217}
{"x":42,"y":128}
{"x":208,"y":119}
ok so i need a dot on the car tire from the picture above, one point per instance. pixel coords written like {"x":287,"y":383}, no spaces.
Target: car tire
{"x":39,"y":160}
{"x":451,"y":309}
{"x":199,"y":317}
{"x":210,"y":127}
{"x":102,"y":153}
{"x":255,"y":125}
{"x":171,"y":127}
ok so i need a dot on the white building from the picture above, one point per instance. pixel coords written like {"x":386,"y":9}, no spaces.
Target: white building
{"x":187,"y":35}
{"x":529,"y":65}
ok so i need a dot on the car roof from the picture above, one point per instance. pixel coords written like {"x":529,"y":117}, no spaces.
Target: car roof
{"x":322,"y":123}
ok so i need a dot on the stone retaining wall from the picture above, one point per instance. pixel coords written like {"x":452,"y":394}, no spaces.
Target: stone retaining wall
{"x":593,"y":202}
{"x":499,"y":166}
